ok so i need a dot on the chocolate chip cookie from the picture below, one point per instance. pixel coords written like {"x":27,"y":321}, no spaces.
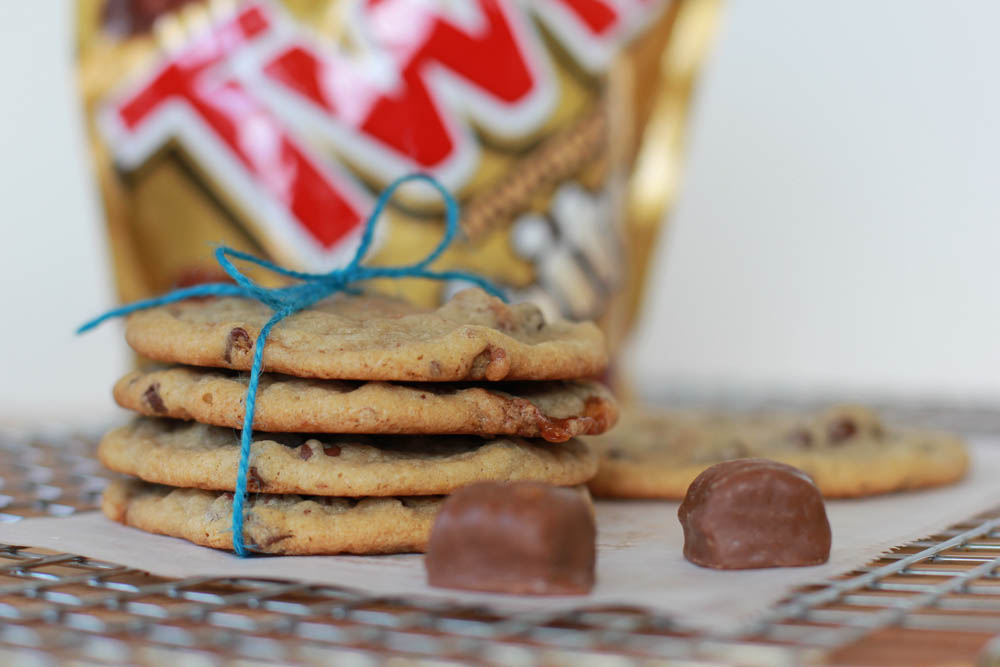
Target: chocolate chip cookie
{"x":189,"y":454}
{"x":474,"y":336}
{"x":287,"y":524}
{"x":846,"y":450}
{"x":555,"y":411}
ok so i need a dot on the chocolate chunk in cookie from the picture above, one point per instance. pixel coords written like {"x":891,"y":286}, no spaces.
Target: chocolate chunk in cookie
{"x":238,"y":340}
{"x":153,"y":399}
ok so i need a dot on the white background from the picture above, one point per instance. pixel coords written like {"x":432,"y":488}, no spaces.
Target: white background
{"x":837,"y":230}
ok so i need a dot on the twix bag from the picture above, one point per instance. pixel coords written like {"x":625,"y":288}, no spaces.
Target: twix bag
{"x":271,"y":126}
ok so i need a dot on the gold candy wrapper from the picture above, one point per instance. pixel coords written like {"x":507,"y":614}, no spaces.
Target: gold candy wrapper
{"x":272,"y":127}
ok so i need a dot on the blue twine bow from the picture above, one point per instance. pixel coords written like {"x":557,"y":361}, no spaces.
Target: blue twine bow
{"x":287,"y":300}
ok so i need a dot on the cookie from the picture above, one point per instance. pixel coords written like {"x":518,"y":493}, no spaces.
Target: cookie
{"x":291,"y":525}
{"x":195,"y":455}
{"x":846,"y":450}
{"x":473,"y":336}
{"x":555,"y":411}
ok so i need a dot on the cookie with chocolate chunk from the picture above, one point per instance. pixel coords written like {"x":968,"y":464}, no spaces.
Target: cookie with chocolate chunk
{"x":555,"y":410}
{"x":286,"y":524}
{"x":195,"y":455}
{"x":280,"y":524}
{"x":846,"y":450}
{"x":474,"y":336}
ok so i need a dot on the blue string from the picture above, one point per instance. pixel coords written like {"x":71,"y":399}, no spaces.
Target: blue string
{"x":287,"y":300}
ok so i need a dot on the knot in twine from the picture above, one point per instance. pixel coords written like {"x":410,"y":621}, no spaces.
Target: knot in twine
{"x":284,"y":301}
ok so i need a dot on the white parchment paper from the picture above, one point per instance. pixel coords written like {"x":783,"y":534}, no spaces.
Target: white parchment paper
{"x":639,"y":563}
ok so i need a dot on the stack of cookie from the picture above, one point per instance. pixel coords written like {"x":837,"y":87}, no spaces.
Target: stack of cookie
{"x":369,"y":412}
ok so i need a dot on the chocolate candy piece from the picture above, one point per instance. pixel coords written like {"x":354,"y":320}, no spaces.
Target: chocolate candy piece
{"x":752,"y":513}
{"x":524,"y":538}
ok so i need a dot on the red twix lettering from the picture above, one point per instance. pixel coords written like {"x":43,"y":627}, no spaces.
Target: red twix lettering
{"x":227,"y":128}
{"x":490,"y":69}
{"x":231,"y":96}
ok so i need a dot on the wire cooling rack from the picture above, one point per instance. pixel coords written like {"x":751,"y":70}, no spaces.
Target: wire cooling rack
{"x":929,"y":602}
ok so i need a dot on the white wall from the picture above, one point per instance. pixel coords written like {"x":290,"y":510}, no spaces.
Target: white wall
{"x":53,"y":273}
{"x":837,"y":228}
{"x":839,"y":225}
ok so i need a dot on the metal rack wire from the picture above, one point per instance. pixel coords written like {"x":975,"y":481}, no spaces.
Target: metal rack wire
{"x":59,"y":607}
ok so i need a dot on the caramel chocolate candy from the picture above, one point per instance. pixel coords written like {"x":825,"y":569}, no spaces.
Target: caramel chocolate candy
{"x":523,"y":538}
{"x":751,"y":513}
